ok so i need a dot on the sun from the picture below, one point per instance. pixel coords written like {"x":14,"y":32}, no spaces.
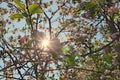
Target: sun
{"x":45,"y":43}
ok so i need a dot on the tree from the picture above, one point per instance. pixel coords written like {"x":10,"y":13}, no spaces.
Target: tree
{"x":60,"y":39}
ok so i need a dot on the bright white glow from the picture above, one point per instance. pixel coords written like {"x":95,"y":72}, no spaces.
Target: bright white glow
{"x":45,"y":43}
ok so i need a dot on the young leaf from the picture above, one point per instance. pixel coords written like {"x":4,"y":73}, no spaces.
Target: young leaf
{"x":12,"y":16}
{"x":65,"y":49}
{"x":20,"y":5}
{"x":108,"y":58}
{"x":71,"y":59}
{"x":27,"y":21}
{"x":89,"y":5}
{"x":38,"y":11}
{"x":25,"y":14}
{"x":34,"y":8}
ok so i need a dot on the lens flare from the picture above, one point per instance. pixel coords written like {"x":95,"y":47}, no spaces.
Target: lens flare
{"x":45,"y":43}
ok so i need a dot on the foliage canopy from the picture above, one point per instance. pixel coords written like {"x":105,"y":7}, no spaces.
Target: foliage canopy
{"x":60,"y":39}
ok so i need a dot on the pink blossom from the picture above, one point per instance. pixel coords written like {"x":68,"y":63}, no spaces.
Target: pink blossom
{"x":23,"y":39}
{"x":114,"y":61}
{"x":55,"y":45}
{"x":105,"y":50}
{"x":38,"y":35}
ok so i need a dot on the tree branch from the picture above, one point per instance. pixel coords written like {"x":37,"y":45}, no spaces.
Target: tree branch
{"x":13,"y":60}
{"x":99,"y":49}
{"x":49,"y":20}
{"x":75,"y":67}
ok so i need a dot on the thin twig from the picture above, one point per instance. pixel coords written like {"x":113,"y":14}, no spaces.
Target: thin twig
{"x":29,"y":14}
{"x":60,"y":31}
{"x":37,"y":21}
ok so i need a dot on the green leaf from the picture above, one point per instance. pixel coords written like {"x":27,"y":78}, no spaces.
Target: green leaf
{"x":25,"y":14}
{"x":65,"y":49}
{"x":34,"y":8}
{"x":108,"y":58}
{"x":70,"y":60}
{"x":89,"y":5}
{"x":20,"y":5}
{"x":12,"y":16}
{"x":27,"y":21}
{"x":38,"y":11}
{"x":34,"y":18}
